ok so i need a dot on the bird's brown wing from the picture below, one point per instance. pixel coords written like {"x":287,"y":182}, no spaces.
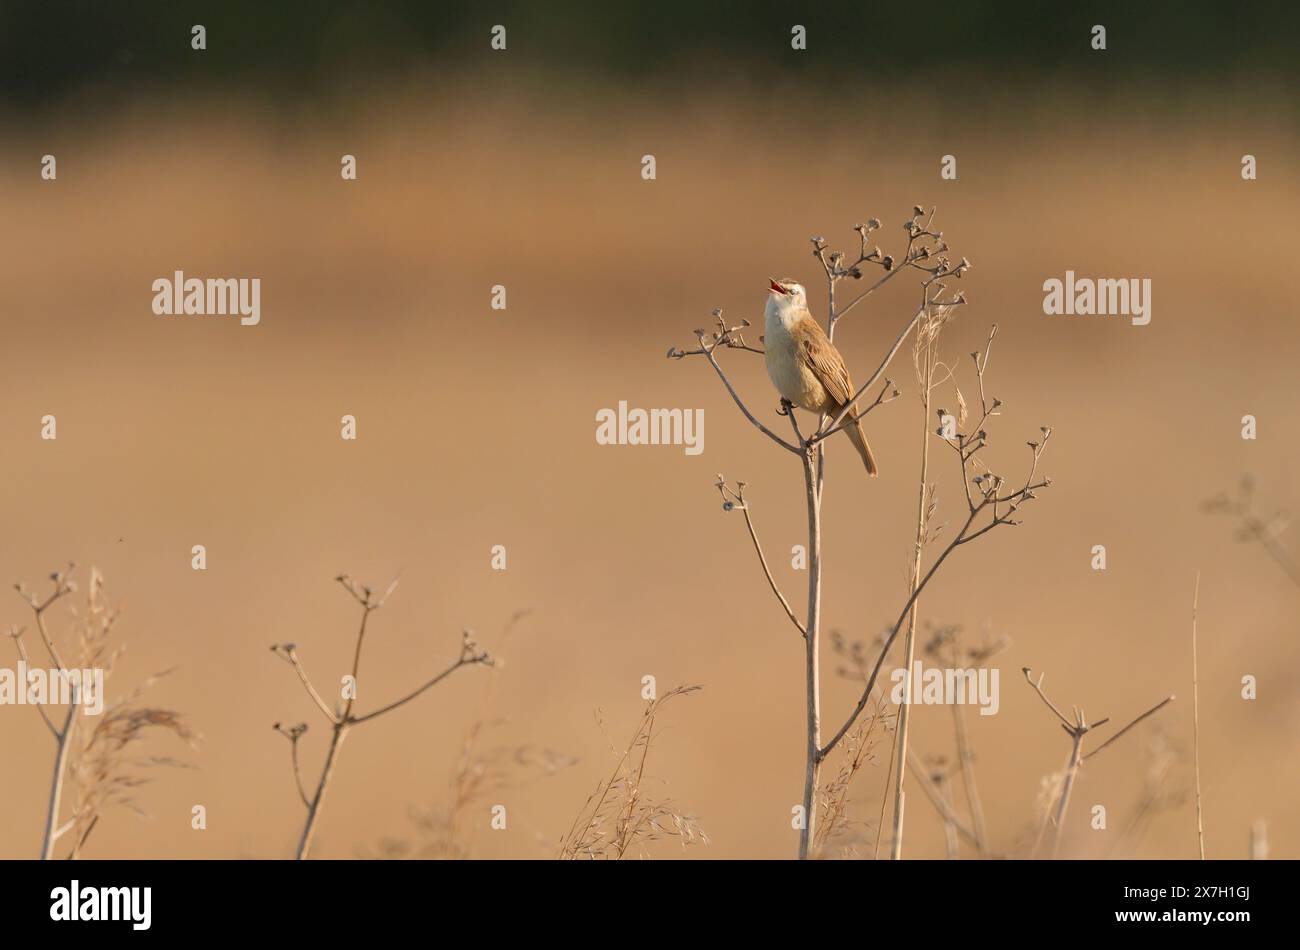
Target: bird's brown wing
{"x":825,"y":361}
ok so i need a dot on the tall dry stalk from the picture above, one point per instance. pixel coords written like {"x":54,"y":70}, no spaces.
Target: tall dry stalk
{"x":859,"y":671}
{"x":341,"y":718}
{"x":1196,"y":721}
{"x":945,"y":644}
{"x":925,"y":359}
{"x":94,"y":760}
{"x":925,"y":253}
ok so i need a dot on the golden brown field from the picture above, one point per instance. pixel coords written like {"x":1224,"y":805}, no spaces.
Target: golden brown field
{"x":476,"y":429}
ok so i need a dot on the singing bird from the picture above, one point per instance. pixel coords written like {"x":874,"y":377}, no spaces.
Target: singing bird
{"x":803,"y":363}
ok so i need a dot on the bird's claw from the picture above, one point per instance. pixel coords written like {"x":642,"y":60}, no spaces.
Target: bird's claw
{"x":786,"y":406}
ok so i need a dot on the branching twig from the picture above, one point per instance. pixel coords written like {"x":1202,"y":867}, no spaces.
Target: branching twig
{"x":89,"y":760}
{"x":734,"y":500}
{"x":985,"y":503}
{"x":343,"y":721}
{"x":724,"y":336}
{"x":1076,"y":729}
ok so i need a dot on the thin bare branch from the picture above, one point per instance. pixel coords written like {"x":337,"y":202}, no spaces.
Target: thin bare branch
{"x":1150,"y":712}
{"x":288,"y":652}
{"x":1038,"y":688}
{"x":734,"y":500}
{"x":462,"y":661}
{"x":17,"y":634}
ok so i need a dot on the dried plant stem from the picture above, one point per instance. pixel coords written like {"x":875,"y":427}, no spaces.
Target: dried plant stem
{"x":941,"y":803}
{"x":967,"y":761}
{"x":62,"y":734}
{"x":889,"y":774}
{"x":64,"y":739}
{"x":925,"y":371}
{"x":1196,"y":721}
{"x":81,"y":841}
{"x":91,"y":762}
{"x":734,"y":499}
{"x":988,"y":485}
{"x":1076,"y":729}
{"x":343,"y":721}
{"x":812,"y":675}
{"x":916,"y":763}
{"x":889,"y":640}
{"x":1067,"y":786}
{"x":944,"y":788}
{"x":327,"y":773}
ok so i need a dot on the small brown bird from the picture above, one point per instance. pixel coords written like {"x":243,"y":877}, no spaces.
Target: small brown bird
{"x":803,"y":363}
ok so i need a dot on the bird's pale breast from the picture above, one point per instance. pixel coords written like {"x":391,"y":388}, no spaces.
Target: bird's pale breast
{"x":789,"y":373}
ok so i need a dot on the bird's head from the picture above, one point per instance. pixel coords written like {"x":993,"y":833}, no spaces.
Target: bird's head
{"x":786,"y":294}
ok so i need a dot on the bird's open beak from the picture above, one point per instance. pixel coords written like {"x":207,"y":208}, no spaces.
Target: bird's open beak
{"x":777,"y":288}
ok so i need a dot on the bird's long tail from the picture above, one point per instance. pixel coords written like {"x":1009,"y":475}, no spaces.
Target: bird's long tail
{"x":859,"y":439}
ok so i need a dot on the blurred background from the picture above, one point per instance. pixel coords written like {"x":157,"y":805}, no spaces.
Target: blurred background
{"x":476,"y":426}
